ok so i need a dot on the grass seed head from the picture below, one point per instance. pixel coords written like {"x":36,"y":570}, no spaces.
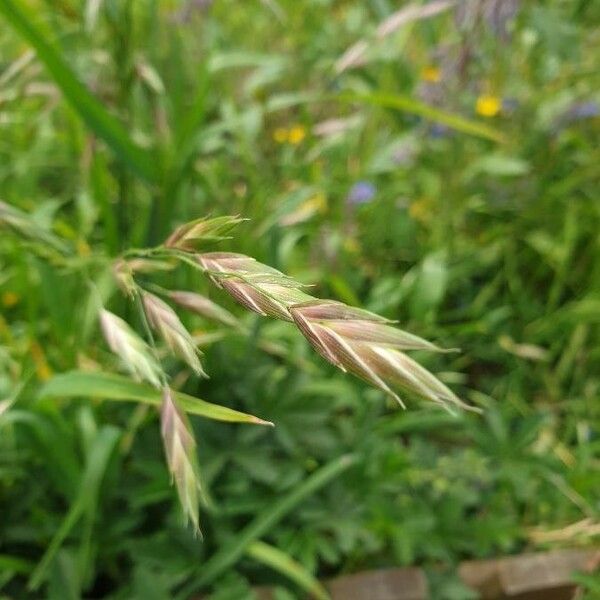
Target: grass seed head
{"x":352,"y":339}
{"x":189,"y":236}
{"x":180,"y":449}
{"x":165,"y":321}
{"x":256,"y":286}
{"x":133,"y":351}
{"x":203,"y":306}
{"x":123,"y":274}
{"x":365,"y":344}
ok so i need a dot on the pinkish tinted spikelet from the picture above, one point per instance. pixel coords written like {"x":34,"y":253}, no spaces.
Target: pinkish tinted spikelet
{"x":166,"y":322}
{"x":203,"y":306}
{"x":365,"y":345}
{"x":133,"y":351}
{"x":354,"y":340}
{"x":188,"y":236}
{"x":180,"y":449}
{"x":254,"y":285}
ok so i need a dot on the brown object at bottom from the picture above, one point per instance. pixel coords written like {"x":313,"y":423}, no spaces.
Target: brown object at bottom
{"x":535,"y":576}
{"x":538,"y":576}
{"x":386,"y":584}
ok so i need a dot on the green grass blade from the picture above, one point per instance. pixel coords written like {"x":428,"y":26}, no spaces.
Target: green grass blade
{"x":14,"y":564}
{"x":230,"y":553}
{"x":89,"y":108}
{"x":97,"y":462}
{"x":287,"y":566}
{"x":416,"y":107}
{"x":116,"y":387}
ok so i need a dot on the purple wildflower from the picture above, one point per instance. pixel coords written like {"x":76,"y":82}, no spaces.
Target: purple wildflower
{"x":361,"y":192}
{"x":582,"y":110}
{"x":439,"y":130}
{"x":185,"y":14}
{"x":509,"y":105}
{"x":578,"y":111}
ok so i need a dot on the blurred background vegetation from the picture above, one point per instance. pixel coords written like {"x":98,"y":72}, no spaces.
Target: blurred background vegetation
{"x":437,"y":163}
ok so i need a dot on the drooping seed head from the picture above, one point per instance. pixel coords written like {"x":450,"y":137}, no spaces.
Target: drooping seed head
{"x":352,"y":339}
{"x":366,"y":345}
{"x":180,"y":449}
{"x":165,"y":321}
{"x":133,"y":351}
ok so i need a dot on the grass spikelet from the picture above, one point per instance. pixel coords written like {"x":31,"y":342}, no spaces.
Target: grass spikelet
{"x":203,"y":306}
{"x":166,"y":322}
{"x":256,"y":286}
{"x":365,"y":345}
{"x":180,"y":450}
{"x":124,"y":271}
{"x":189,"y":236}
{"x":133,"y":351}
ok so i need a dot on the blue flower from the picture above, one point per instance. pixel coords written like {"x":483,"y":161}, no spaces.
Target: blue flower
{"x":510,"y":105}
{"x":582,"y":110}
{"x":578,"y":111}
{"x":439,"y":130}
{"x":361,"y":193}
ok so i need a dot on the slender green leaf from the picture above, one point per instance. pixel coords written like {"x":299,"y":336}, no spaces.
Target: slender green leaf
{"x":89,"y":108}
{"x":14,"y":564}
{"x":116,"y":387}
{"x":416,"y":107}
{"x":287,"y":566}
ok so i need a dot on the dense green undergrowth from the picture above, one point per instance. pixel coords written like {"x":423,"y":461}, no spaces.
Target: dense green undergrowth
{"x":443,"y":173}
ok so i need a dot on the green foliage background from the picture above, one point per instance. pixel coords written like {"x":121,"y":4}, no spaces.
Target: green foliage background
{"x":120,"y":120}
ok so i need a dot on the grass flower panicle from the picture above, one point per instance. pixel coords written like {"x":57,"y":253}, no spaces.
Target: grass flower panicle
{"x":352,"y":339}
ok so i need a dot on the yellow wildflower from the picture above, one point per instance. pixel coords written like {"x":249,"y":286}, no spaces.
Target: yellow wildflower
{"x":296,"y":134}
{"x":420,"y":210}
{"x":280,"y":135}
{"x":42,"y":369}
{"x":488,"y":105}
{"x":83,"y":248}
{"x":431,"y":73}
{"x":351,"y":245}
{"x":5,"y":332}
{"x":307,"y":209}
{"x":9,"y":299}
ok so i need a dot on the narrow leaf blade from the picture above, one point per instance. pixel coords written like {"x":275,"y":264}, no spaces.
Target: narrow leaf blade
{"x":416,"y":107}
{"x":89,"y":108}
{"x":283,"y":563}
{"x":109,"y":386}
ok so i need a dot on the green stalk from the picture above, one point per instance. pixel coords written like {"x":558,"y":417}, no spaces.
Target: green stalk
{"x":86,"y":105}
